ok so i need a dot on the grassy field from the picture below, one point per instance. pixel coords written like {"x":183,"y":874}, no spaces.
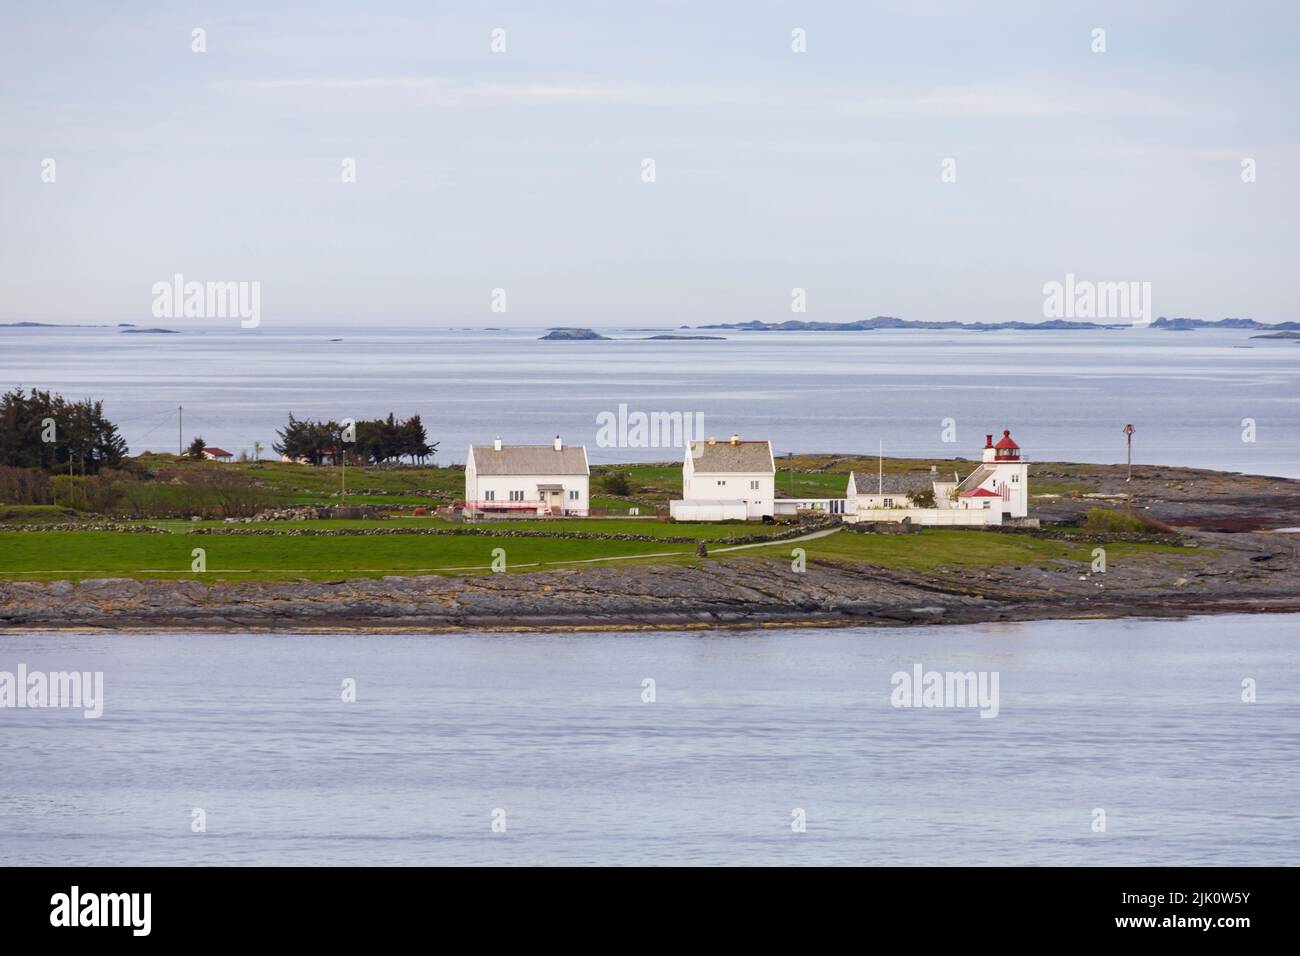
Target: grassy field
{"x":32,"y":514}
{"x":938,"y":548}
{"x":88,"y":554}
{"x":75,"y":555}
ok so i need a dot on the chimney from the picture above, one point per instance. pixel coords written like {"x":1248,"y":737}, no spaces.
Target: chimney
{"x":735,"y":439}
{"x":559,"y":445}
{"x":496,"y":443}
{"x":988,"y":441}
{"x":712,"y":440}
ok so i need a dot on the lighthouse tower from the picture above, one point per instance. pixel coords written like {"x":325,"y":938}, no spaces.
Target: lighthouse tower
{"x":1006,"y":474}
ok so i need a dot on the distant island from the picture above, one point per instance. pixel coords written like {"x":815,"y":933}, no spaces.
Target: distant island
{"x":572,"y":335}
{"x":1278,"y":335}
{"x":684,"y":338}
{"x":46,"y":325}
{"x":149,"y":332}
{"x":58,"y":325}
{"x":891,"y":322}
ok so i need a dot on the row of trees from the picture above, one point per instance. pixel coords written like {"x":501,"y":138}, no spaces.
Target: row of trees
{"x":377,"y":440}
{"x":42,"y":430}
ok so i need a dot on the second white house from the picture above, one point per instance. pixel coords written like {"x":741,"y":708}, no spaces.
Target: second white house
{"x":731,"y":480}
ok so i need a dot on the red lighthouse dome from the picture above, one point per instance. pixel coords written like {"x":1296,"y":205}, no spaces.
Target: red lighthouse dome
{"x":1006,"y":449}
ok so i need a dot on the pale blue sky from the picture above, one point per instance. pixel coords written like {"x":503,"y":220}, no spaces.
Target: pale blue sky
{"x":522,"y":170}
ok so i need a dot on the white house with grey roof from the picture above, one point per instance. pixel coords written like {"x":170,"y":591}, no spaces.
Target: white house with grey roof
{"x":724,"y":480}
{"x":527,"y":480}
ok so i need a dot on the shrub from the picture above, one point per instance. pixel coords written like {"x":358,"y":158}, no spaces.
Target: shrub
{"x":617,"y":483}
{"x":25,"y":486}
{"x":1110,"y":521}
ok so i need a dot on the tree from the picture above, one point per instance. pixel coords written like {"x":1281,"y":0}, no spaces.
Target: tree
{"x":309,"y":440}
{"x":42,"y":430}
{"x":196,"y":449}
{"x":922,"y":499}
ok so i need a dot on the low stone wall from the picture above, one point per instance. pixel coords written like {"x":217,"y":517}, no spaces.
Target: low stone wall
{"x":503,"y":532}
{"x":315,"y":513}
{"x":117,"y":528}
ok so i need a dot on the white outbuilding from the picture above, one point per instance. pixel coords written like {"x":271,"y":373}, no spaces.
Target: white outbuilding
{"x":527,"y":480}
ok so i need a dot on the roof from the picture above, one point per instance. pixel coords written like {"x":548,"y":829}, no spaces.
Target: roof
{"x":977,"y":477}
{"x":855,"y":491}
{"x":217,"y":452}
{"x":980,"y":493}
{"x":724,"y":458}
{"x":530,"y":460}
{"x":1005,"y":441}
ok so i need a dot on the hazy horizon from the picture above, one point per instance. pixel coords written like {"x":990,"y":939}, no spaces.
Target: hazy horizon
{"x":522,"y":170}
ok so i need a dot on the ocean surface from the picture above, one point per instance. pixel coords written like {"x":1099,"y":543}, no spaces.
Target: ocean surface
{"x":1064,"y":395}
{"x":1140,"y":719}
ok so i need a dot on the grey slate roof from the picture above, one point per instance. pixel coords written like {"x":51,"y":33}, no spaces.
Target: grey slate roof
{"x":869,"y":481}
{"x":724,"y":458}
{"x":530,"y":460}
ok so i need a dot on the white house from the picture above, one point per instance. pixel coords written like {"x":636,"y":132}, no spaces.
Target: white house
{"x":726,"y":480}
{"x":527,"y":479}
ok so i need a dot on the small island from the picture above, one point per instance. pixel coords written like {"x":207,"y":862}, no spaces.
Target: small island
{"x":573,"y":335}
{"x":149,"y":332}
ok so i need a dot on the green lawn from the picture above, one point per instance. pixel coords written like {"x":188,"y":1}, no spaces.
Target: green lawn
{"x":89,"y":554}
{"x":942,"y":548}
{"x":32,"y":514}
{"x":83,"y":554}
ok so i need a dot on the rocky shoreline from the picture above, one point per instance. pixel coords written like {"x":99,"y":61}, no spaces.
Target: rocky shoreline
{"x":1228,"y":573}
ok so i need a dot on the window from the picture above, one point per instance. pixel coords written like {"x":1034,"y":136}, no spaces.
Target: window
{"x":573,"y":494}
{"x":889,"y":502}
{"x":753,"y":486}
{"x":489,"y":496}
{"x":516,"y":496}
{"x":721,"y":481}
{"x":1015,"y":479}
{"x":986,"y":506}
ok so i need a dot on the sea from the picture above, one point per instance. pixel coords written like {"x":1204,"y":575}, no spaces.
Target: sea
{"x":1114,"y":742}
{"x":1211,"y":398}
{"x":1134,"y":742}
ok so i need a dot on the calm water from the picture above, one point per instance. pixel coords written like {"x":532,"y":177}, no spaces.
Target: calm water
{"x":1142,"y":719}
{"x":1065,"y":395}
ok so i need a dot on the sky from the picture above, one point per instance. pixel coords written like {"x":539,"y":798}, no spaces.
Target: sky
{"x":523,"y":170}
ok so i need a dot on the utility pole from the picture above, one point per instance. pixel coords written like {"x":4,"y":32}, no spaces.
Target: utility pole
{"x":880,"y":458}
{"x":1128,"y":433}
{"x":180,"y":430}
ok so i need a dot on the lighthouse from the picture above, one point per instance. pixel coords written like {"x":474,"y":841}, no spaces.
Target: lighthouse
{"x":1002,"y":480}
